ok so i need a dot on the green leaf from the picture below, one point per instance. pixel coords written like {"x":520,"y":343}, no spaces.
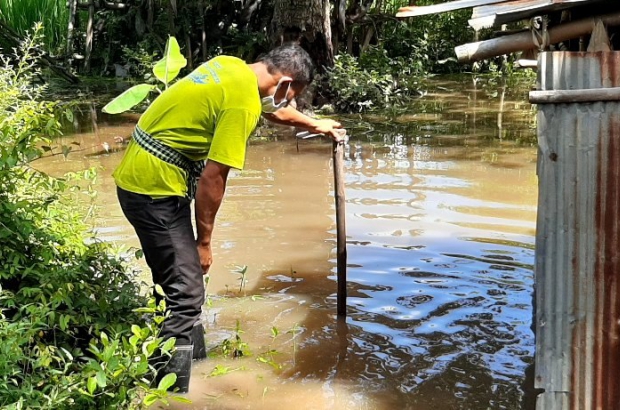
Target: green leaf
{"x":101,"y":379}
{"x":69,"y":115}
{"x":167,"y":381}
{"x":91,"y":384}
{"x":169,"y":67}
{"x":135,"y":329}
{"x":182,"y":399}
{"x":128,"y":99}
{"x":168,"y":344}
{"x":159,"y":290}
{"x":149,"y":399}
{"x":104,"y":339}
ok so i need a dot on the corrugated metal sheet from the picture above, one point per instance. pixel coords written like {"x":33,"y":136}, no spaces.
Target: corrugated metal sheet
{"x":509,"y":11}
{"x":487,"y":13}
{"x":578,"y":238}
{"x":412,"y":11}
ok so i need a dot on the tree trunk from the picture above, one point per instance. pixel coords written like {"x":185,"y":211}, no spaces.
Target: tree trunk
{"x":150,"y":15}
{"x":172,"y":14}
{"x":203,"y":31}
{"x":367,"y":38}
{"x":70,"y":28}
{"x":188,"y":46}
{"x":339,"y":23}
{"x":89,"y":35}
{"x":308,"y":23}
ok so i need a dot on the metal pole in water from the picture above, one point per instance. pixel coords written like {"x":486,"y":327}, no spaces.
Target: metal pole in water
{"x":341,"y":232}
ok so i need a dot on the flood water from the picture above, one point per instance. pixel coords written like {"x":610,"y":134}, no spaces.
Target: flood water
{"x":441,"y":208}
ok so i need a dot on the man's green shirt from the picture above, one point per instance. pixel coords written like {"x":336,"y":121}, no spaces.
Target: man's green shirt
{"x":209,"y":114}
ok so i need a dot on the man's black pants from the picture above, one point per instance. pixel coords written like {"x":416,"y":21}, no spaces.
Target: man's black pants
{"x":164,"y":227}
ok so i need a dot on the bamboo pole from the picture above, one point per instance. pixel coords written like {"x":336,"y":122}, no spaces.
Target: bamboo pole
{"x":341,"y":231}
{"x":523,"y":41}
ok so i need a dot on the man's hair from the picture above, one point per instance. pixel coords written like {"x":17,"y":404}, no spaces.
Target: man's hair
{"x":291,"y":60}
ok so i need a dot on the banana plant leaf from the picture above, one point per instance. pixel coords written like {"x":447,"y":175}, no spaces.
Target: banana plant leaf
{"x":128,"y":99}
{"x":169,"y":67}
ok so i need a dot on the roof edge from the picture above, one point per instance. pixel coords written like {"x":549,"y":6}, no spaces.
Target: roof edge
{"x":412,"y":11}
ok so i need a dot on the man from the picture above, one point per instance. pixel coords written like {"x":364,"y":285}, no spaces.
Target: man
{"x":208,"y":115}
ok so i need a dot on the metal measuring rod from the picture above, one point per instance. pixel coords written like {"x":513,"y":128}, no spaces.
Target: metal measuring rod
{"x":341,"y":234}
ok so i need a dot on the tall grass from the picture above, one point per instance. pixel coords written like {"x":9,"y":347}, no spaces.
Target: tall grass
{"x":21,"y":15}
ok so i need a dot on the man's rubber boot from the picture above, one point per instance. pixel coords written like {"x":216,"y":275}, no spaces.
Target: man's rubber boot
{"x":198,"y":339}
{"x":181,"y":364}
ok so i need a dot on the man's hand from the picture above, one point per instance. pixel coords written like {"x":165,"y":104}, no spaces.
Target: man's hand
{"x":206,"y":257}
{"x":291,"y":117}
{"x":331,"y":128}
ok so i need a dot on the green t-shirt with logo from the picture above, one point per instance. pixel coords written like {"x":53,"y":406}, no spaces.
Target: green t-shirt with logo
{"x":209,"y":114}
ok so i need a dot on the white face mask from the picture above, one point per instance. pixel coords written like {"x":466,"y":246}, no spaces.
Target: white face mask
{"x":269,"y":103}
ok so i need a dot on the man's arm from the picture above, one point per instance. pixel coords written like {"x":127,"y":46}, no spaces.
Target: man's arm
{"x":290,"y":116}
{"x":209,"y":195}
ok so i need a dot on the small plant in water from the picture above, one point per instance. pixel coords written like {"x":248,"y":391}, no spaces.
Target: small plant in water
{"x":241,"y":271}
{"x":219,"y":370}
{"x":296,"y":330}
{"x":235,"y":347}
{"x":268,"y":356}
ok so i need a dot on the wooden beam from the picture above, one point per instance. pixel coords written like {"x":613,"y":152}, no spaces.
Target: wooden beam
{"x":412,"y":11}
{"x":575,"y":96}
{"x":480,"y":50}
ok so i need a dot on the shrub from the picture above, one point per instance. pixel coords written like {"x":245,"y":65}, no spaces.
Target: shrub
{"x":353,"y":88}
{"x":73,"y":330}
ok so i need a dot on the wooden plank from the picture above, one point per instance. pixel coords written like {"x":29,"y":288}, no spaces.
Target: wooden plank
{"x":412,"y":11}
{"x":575,"y":96}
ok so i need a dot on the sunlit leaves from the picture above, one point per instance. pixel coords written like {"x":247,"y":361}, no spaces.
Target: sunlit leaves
{"x":168,"y":68}
{"x":165,"y":70}
{"x":128,"y":99}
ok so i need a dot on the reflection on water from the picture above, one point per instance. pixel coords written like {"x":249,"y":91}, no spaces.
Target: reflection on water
{"x":441,"y":205}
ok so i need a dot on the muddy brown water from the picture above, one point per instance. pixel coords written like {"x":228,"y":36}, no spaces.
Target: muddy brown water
{"x":441,"y":207}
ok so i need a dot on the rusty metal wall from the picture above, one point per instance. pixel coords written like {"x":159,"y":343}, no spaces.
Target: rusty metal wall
{"x":578,"y":238}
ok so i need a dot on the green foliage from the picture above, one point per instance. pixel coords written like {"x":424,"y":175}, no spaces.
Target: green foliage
{"x":353,"y":88}
{"x":169,"y":67}
{"x":139,"y":62}
{"x":129,"y":98}
{"x":165,"y":70}
{"x":429,"y":42}
{"x":21,"y":113}
{"x":73,"y":332}
{"x":21,"y":15}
